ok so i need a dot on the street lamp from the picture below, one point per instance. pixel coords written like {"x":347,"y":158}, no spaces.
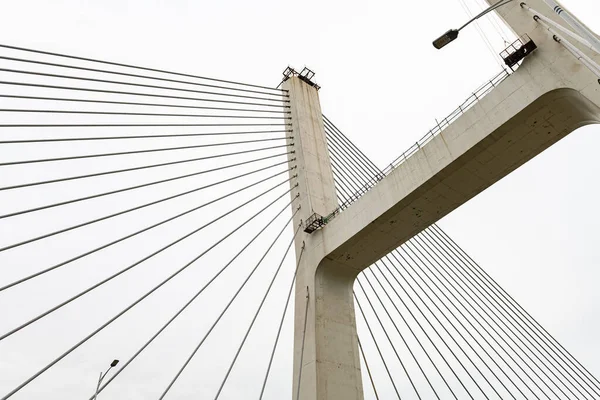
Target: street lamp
{"x":452,"y":34}
{"x":102,"y":376}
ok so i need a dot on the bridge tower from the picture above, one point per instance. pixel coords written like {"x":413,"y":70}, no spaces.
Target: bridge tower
{"x":326,"y":357}
{"x":552,"y":86}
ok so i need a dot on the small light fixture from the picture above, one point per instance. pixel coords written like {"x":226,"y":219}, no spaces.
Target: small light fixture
{"x":446,"y":38}
{"x":452,"y":34}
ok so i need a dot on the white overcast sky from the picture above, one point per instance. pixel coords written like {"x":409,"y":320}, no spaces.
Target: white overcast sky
{"x":383,"y":85}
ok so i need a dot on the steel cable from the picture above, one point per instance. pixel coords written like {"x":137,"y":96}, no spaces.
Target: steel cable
{"x":498,"y":354}
{"x":122,"y":153}
{"x":417,"y":339}
{"x":125,"y":125}
{"x":192,"y":299}
{"x":355,"y":171}
{"x":173,"y":135}
{"x":301,"y":364}
{"x":80,"y":256}
{"x":170,"y":385}
{"x":355,"y":153}
{"x":511,"y":303}
{"x":80,"y":68}
{"x":397,"y":330}
{"x":48,"y":366}
{"x":435,"y":304}
{"x":98,"y":195}
{"x":445,"y":303}
{"x":131,"y":66}
{"x":129,"y":103}
{"x":361,"y":180}
{"x":377,"y":346}
{"x":358,"y":153}
{"x":121,"y":92}
{"x":368,"y":369}
{"x":511,"y":335}
{"x":343,"y":179}
{"x":410,"y":328}
{"x":504,"y":297}
{"x":137,"y":114}
{"x":90,"y":288}
{"x":262,"y":302}
{"x":349,"y":173}
{"x":118,"y":171}
{"x":343,"y":153}
{"x":499,"y":319}
{"x":389,"y":339}
{"x":104,"y":218}
{"x":341,"y":182}
{"x":285,"y":307}
{"x":422,"y":313}
{"x":124,"y":83}
{"x":344,"y":174}
{"x":356,"y":180}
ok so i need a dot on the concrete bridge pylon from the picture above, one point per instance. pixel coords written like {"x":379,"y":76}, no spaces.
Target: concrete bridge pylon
{"x":550,"y":95}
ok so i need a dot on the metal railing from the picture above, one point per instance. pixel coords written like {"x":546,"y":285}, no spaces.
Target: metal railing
{"x":477,"y":95}
{"x":453,"y":116}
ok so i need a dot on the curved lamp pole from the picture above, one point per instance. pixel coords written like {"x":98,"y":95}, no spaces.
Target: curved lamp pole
{"x":452,"y":34}
{"x":102,"y":376}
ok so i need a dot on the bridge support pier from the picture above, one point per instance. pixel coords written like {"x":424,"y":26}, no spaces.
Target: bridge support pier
{"x":550,"y":95}
{"x":326,"y":354}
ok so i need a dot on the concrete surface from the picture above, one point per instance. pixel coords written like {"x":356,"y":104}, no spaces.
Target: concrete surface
{"x":548,"y":97}
{"x":330,"y":362}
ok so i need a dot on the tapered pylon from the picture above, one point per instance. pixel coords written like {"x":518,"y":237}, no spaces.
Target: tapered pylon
{"x":326,"y":354}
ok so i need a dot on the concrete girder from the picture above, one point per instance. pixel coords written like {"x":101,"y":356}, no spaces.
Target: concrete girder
{"x":548,"y":97}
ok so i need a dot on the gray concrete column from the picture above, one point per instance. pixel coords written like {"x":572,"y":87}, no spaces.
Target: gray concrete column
{"x":521,"y":22}
{"x":326,"y":340}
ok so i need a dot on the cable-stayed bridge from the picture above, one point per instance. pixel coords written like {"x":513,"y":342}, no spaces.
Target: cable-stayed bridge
{"x":247,"y":177}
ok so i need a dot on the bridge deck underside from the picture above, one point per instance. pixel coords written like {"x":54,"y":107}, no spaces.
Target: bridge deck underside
{"x":505,"y":130}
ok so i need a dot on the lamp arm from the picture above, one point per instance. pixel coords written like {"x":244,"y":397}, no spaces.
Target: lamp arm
{"x":484,"y":12}
{"x":102,"y":376}
{"x":106,"y":373}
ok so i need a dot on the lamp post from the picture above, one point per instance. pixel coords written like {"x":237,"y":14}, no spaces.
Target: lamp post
{"x":102,"y":376}
{"x":452,"y":34}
